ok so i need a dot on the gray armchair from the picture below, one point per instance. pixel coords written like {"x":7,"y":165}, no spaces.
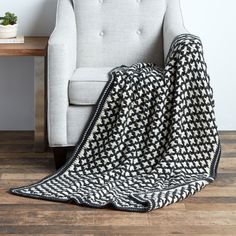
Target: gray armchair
{"x":90,"y":38}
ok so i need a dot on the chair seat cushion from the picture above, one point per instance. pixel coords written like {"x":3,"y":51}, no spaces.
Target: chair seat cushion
{"x":87,"y":84}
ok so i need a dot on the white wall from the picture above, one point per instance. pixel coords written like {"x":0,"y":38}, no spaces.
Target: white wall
{"x":212,"y":20}
{"x":36,"y":17}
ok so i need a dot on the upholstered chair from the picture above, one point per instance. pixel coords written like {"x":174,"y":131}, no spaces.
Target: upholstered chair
{"x":90,"y":38}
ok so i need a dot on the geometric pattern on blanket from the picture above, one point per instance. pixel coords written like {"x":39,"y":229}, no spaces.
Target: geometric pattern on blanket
{"x":151,"y":141}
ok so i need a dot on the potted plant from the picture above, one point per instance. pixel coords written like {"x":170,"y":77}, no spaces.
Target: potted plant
{"x":8,"y":26}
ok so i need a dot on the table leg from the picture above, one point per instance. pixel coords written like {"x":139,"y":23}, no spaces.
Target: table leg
{"x":40,"y":104}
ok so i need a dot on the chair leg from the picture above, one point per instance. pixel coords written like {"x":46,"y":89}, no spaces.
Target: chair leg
{"x":59,"y":156}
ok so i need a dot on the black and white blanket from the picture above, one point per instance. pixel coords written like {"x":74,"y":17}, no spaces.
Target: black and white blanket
{"x":151,"y":142}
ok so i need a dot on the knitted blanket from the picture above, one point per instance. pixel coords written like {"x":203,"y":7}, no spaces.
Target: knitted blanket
{"x":151,"y":141}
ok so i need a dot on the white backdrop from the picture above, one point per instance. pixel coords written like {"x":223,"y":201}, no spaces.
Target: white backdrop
{"x":212,"y":20}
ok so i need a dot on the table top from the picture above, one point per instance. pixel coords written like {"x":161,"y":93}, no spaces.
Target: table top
{"x":33,"y":46}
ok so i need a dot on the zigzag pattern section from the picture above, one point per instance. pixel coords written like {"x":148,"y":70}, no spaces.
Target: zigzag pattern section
{"x":152,"y":140}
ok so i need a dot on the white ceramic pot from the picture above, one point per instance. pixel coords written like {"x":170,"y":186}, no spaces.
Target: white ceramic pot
{"x":8,"y":31}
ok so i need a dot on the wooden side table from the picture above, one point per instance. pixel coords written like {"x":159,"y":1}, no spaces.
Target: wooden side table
{"x":37,"y":48}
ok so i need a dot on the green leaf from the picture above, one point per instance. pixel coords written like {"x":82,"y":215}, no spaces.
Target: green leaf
{"x":8,"y":19}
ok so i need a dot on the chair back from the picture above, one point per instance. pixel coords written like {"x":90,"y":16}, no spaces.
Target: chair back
{"x":119,"y":32}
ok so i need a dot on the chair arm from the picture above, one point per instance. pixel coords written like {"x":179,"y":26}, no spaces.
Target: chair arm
{"x":173,"y":24}
{"x":61,"y":65}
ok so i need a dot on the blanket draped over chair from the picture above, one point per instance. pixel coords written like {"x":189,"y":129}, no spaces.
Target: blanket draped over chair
{"x":151,"y":141}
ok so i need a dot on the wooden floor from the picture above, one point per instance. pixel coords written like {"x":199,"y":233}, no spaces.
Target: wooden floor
{"x":210,"y":212}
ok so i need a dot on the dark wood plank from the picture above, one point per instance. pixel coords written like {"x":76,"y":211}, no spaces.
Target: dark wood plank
{"x":170,"y":229}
